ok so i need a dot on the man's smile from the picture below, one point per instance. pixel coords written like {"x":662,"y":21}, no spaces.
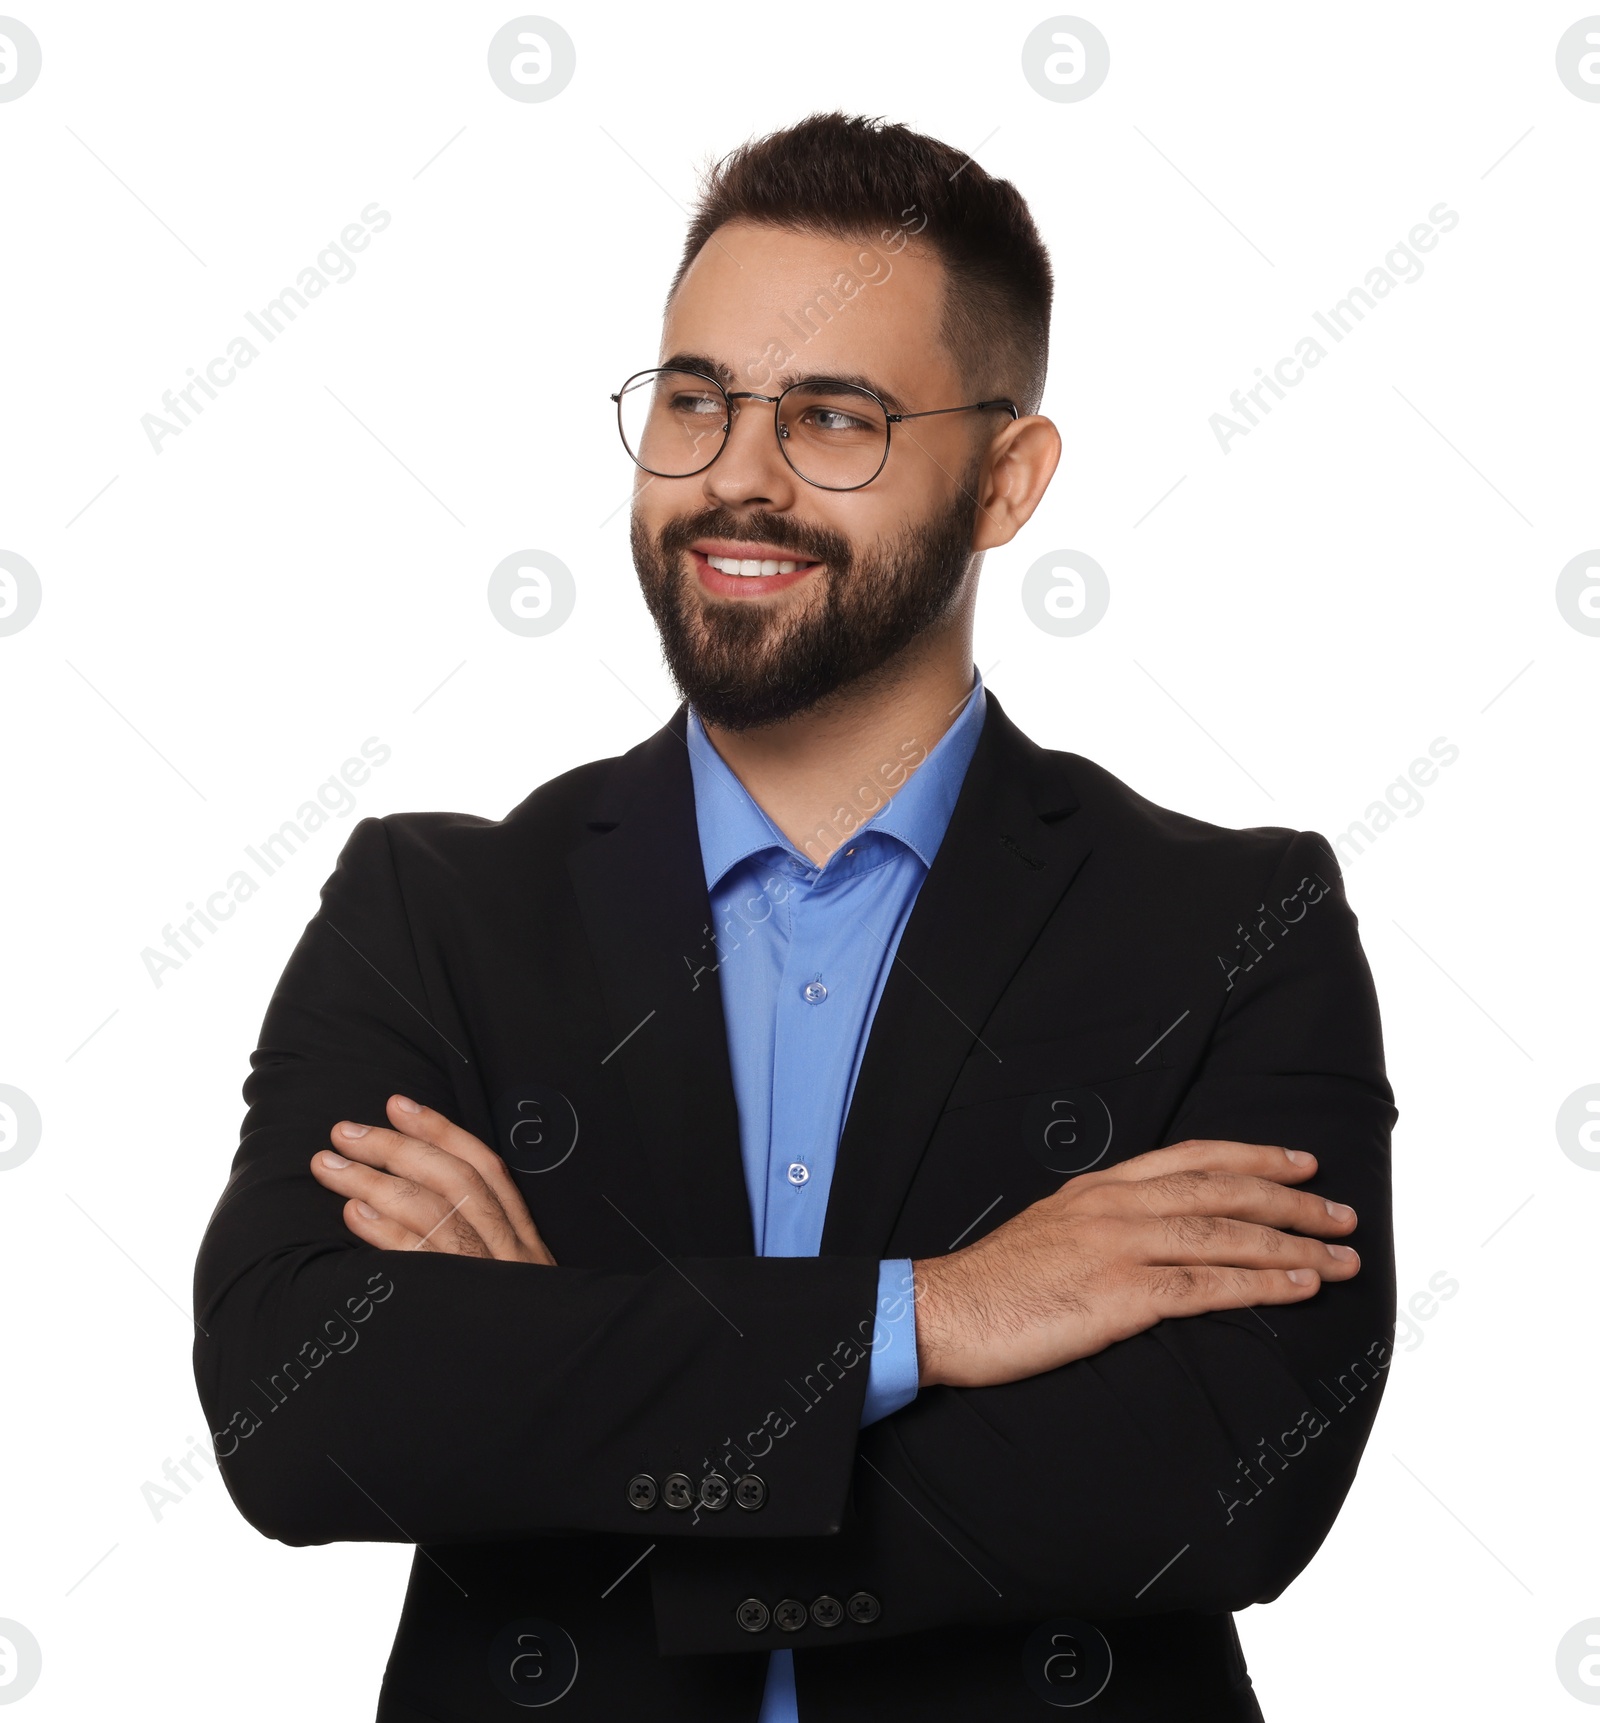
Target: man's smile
{"x":743,"y":569}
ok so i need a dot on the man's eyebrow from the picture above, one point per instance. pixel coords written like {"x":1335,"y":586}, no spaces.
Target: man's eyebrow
{"x":854,"y":379}
{"x":699,"y":362}
{"x":724,"y":374}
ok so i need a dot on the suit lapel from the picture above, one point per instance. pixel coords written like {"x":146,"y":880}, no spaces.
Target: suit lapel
{"x":641,"y":890}
{"x":1010,"y":853}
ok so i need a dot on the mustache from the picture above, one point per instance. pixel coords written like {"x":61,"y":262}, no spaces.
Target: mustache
{"x":808,"y":543}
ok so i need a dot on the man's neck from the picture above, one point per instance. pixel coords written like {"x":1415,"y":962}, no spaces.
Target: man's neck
{"x":821,"y":774}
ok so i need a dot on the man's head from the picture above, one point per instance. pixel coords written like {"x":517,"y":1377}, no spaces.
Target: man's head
{"x":837,"y":249}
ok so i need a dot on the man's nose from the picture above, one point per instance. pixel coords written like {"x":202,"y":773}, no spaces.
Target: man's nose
{"x":751,"y":469}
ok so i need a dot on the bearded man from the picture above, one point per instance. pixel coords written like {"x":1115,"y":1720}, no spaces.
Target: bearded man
{"x":843,"y":1211}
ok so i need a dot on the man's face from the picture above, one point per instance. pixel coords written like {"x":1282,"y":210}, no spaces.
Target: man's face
{"x":872,"y":568}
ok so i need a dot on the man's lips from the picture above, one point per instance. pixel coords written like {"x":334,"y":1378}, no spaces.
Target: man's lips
{"x":747,"y":568}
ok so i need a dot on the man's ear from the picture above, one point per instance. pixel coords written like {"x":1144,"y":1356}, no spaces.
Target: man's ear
{"x":1016,"y":470}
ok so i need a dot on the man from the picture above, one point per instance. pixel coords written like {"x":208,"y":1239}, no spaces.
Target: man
{"x":841,"y":1212}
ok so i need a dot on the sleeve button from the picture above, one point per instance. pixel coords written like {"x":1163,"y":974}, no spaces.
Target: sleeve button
{"x":750,"y":1492}
{"x":827,"y":1611}
{"x":752,"y":1615}
{"x":863,"y":1607}
{"x":714,"y":1491}
{"x":642,"y":1491}
{"x":676,"y":1491}
{"x":790,"y":1615}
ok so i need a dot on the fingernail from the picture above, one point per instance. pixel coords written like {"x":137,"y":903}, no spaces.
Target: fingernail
{"x":330,"y":1159}
{"x":1299,"y":1157}
{"x":1342,"y":1251}
{"x":366,"y":1211}
{"x":352,"y":1130}
{"x":1302,"y":1276}
{"x":405,"y":1105}
{"x":1339,"y":1211}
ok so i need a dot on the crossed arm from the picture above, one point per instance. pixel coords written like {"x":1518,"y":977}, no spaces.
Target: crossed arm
{"x":1200,"y":1226}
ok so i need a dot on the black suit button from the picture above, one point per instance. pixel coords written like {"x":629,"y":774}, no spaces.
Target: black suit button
{"x":752,"y":1615}
{"x":677,"y":1491}
{"x":827,"y":1611}
{"x":750,"y":1492}
{"x":642,"y":1491}
{"x":790,"y":1615}
{"x":863,"y":1607}
{"x":714,"y":1491}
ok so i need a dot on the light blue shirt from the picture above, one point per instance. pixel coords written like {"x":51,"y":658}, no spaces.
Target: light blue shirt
{"x":803,"y":953}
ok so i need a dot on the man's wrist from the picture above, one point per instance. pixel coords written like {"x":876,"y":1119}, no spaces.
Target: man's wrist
{"x":927,"y":1279}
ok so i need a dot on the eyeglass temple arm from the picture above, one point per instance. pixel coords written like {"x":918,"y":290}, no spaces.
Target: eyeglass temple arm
{"x":933,"y":412}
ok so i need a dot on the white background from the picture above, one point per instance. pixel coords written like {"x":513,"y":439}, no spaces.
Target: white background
{"x":1371,"y":568}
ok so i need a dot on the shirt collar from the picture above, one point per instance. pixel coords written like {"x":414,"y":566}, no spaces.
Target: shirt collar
{"x":733,"y":826}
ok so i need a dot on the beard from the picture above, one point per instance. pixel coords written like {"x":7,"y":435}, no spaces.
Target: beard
{"x":742,"y":664}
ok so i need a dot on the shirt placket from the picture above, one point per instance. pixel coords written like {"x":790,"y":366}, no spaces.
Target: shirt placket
{"x":812,"y":1015}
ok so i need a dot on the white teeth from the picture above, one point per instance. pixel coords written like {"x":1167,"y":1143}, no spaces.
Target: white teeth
{"x":750,"y":566}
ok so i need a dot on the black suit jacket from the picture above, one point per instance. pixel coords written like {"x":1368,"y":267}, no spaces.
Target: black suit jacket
{"x":1080,"y":965}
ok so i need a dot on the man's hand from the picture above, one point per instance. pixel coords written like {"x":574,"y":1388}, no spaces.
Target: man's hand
{"x":1196,"y":1227}
{"x":428,"y":1185}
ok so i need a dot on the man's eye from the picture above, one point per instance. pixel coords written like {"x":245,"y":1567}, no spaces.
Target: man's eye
{"x":696,"y":404}
{"x":833,"y":419}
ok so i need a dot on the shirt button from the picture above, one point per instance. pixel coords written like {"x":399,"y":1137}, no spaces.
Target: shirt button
{"x":813,"y":993}
{"x":799,"y":1172}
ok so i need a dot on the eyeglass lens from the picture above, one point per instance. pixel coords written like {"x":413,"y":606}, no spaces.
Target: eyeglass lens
{"x":674,"y":423}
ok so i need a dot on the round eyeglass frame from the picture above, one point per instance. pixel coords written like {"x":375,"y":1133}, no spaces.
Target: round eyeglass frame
{"x":732,"y":395}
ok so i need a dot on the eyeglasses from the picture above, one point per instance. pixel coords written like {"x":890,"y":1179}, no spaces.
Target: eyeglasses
{"x":834,"y":435}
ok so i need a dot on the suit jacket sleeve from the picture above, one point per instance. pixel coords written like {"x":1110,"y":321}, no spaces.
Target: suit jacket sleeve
{"x":1196,"y":1466}
{"x":410,"y":1396}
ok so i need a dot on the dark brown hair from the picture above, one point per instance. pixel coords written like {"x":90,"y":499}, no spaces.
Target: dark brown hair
{"x":860,"y":178}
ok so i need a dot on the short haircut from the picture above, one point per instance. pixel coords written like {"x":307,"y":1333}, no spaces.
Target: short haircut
{"x":858,"y":178}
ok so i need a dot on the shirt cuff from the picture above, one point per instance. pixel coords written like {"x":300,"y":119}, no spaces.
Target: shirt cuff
{"x":892,"y":1373}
